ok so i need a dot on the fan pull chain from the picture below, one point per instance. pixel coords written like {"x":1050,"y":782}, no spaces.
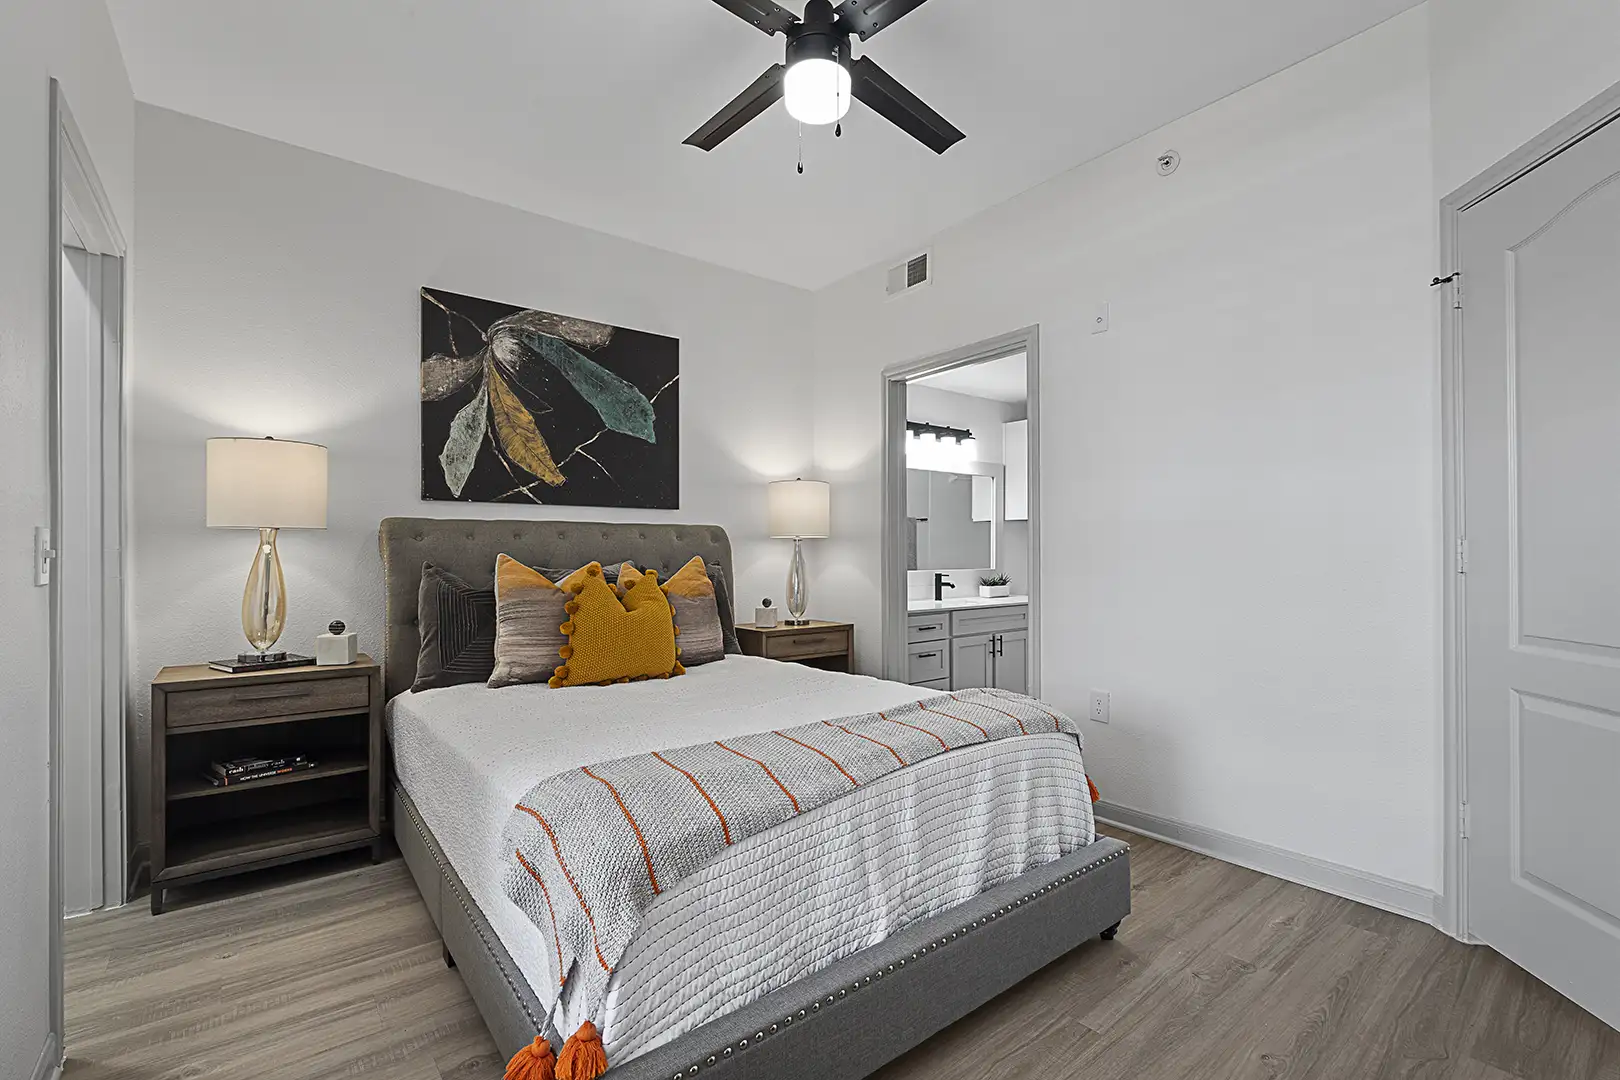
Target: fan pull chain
{"x":838,"y":129}
{"x":801,"y":149}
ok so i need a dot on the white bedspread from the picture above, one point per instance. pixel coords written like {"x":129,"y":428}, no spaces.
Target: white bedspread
{"x":775,"y":907}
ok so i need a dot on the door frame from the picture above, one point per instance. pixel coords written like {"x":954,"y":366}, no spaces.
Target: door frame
{"x":892,"y":581}
{"x":77,"y":201}
{"x":1451,"y":904}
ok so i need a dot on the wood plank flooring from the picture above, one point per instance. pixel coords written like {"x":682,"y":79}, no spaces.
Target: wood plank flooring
{"x":1219,"y":973}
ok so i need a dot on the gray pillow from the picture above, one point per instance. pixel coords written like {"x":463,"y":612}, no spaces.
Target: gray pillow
{"x":457,"y":624}
{"x":722,"y":600}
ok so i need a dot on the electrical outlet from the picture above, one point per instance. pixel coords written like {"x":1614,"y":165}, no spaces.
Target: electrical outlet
{"x":1099,"y":706}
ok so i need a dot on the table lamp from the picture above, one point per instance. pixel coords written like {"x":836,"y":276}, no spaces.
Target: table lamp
{"x":265,"y":484}
{"x":798,"y":510}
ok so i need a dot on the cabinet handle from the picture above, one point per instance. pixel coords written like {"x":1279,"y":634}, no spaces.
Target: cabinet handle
{"x":275,"y":696}
{"x":934,"y":627}
{"x":925,"y":656}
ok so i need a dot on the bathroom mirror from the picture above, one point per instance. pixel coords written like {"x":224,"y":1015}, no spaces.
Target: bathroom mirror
{"x":950,"y":520}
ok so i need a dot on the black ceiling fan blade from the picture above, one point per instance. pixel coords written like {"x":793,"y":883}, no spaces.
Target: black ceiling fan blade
{"x":900,"y":107}
{"x":770,"y":17}
{"x":867,"y":17}
{"x":764,"y":92}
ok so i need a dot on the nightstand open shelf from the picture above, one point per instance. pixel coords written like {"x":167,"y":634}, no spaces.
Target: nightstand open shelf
{"x":332,"y":715}
{"x":200,"y":788}
{"x":262,"y":840}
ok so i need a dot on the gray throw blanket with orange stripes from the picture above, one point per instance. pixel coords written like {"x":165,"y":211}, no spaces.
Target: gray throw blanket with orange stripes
{"x":593,"y":847}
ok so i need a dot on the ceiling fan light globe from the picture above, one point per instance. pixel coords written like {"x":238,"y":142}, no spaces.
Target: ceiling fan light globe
{"x":817,"y":91}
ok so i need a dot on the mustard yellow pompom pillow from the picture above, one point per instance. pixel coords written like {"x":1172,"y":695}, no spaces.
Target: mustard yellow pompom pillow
{"x":612,"y":640}
{"x":695,"y":605}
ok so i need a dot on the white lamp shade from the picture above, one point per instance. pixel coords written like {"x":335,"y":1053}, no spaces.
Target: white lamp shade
{"x":266,"y":484}
{"x":799,"y":509}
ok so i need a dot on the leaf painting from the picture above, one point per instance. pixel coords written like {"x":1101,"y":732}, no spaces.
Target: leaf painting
{"x":520,"y":438}
{"x":466,"y":436}
{"x":520,"y":405}
{"x":621,"y":406}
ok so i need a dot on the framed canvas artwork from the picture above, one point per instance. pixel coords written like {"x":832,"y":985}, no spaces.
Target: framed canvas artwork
{"x":528,"y":406}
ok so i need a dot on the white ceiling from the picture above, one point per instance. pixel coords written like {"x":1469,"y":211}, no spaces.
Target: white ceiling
{"x":577,"y":109}
{"x":999,"y":380}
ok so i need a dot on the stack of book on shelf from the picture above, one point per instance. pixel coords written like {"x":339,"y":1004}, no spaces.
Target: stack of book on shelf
{"x":243,"y":770}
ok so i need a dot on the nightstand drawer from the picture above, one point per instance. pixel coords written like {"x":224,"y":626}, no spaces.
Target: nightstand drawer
{"x":811,"y":643}
{"x":228,"y":704}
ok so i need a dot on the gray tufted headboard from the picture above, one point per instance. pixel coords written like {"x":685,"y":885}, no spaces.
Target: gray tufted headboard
{"x":468,"y":549}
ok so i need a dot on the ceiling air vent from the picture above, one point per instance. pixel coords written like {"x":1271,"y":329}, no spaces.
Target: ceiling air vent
{"x":914,"y":273}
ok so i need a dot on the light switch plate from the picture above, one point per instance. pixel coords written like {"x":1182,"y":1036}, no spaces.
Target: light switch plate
{"x":1100,"y":320}
{"x":1099,"y":706}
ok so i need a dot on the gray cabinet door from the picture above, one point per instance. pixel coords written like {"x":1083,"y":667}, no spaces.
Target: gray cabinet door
{"x":1012,"y":661}
{"x":971,"y":662}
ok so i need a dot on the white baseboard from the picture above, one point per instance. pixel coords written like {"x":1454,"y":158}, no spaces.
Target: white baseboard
{"x":1359,"y":885}
{"x":50,"y":1060}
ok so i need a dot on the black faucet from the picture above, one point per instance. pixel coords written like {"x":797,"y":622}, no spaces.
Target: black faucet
{"x":940,"y":585}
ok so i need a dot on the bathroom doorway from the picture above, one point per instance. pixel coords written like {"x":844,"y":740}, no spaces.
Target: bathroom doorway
{"x":961,"y":518}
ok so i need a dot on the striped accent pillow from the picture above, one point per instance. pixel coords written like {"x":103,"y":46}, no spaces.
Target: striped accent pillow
{"x":528,"y":621}
{"x":457,"y":624}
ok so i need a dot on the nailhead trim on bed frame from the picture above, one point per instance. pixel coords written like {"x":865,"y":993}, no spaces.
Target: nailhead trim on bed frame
{"x":760,"y":1036}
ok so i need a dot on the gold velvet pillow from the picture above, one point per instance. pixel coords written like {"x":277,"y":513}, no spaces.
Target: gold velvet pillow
{"x":610,"y":640}
{"x":696,"y":609}
{"x":528,"y":622}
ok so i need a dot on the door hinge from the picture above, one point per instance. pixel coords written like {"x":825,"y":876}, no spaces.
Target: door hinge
{"x":44,"y":553}
{"x":1454,"y":279}
{"x":1462,"y":555}
{"x":1465,"y":821}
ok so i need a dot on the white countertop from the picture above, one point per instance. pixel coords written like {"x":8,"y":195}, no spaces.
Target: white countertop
{"x":956,"y":603}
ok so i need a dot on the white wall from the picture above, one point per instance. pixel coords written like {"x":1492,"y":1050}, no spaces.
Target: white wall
{"x":1239,"y":480}
{"x":1505,"y":70}
{"x":73,"y":41}
{"x":279,"y":296}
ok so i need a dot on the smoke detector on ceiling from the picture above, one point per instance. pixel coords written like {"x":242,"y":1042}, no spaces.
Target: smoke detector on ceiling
{"x":914,"y":273}
{"x":1169,"y":162}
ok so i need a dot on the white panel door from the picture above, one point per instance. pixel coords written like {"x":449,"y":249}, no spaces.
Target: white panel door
{"x":79,"y":581}
{"x":1540,"y":265}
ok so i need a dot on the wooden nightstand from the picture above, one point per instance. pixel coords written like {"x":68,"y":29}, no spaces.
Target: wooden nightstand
{"x":829,"y":645}
{"x":331,"y":714}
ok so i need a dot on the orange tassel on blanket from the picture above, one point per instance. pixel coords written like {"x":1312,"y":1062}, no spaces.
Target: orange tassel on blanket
{"x":1096,"y":796}
{"x":533,"y":1062}
{"x":582,"y":1057}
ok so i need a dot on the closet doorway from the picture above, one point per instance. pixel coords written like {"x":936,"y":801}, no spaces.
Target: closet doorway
{"x":961,"y":517}
{"x":81,"y":555}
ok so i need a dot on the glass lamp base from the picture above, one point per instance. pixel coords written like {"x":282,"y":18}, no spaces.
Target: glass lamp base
{"x":798,"y":588}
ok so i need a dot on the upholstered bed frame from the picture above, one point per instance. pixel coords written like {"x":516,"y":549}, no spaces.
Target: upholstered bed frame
{"x":871,"y":1006}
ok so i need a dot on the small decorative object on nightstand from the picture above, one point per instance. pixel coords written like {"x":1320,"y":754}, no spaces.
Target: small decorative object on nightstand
{"x":765,"y":615}
{"x":329,"y":715}
{"x":829,"y":645}
{"x":335,"y":646}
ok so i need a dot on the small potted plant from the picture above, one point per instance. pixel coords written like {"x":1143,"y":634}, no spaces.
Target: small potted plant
{"x":995,"y":585}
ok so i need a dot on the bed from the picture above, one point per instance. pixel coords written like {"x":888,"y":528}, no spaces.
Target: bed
{"x":962,"y":874}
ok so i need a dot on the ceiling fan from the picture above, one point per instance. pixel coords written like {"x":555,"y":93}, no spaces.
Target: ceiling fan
{"x":819,"y":76}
